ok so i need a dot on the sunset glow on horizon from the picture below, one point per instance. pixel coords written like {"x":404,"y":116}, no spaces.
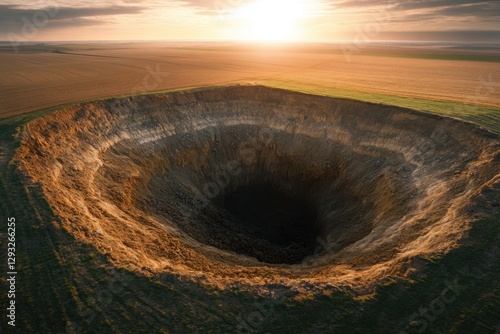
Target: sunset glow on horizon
{"x":274,"y":20}
{"x":251,"y":20}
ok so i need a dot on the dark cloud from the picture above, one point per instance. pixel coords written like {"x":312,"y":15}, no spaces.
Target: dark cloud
{"x":478,"y":12}
{"x":14,"y":13}
{"x":427,"y":13}
{"x":407,"y":4}
{"x":479,"y":36}
{"x":437,"y":4}
{"x":13,"y":18}
{"x":431,"y":8}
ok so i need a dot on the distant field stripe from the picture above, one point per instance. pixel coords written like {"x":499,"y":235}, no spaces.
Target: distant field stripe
{"x":484,"y":116}
{"x":456,"y":57}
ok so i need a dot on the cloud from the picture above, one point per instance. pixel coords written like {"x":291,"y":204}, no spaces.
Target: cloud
{"x":13,"y":17}
{"x":439,"y":4}
{"x":465,"y":15}
{"x":407,"y":4}
{"x":430,"y":7}
{"x":215,"y":5}
{"x":483,"y":12}
{"x":479,"y":10}
{"x":478,"y":36}
{"x":413,"y":11}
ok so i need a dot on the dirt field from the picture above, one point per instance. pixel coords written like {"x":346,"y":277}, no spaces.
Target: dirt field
{"x":42,"y":77}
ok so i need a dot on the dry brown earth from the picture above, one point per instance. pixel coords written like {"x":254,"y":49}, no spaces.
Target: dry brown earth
{"x":36,"y":80}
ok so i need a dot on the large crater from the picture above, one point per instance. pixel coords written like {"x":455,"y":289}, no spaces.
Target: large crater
{"x":257,"y":185}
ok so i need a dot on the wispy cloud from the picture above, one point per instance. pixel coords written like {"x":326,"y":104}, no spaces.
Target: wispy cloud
{"x":215,"y":4}
{"x":450,"y":36}
{"x":14,"y":12}
{"x":12,"y":17}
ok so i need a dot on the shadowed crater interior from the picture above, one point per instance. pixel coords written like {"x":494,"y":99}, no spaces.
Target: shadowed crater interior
{"x":273,"y":219}
{"x":248,"y":181}
{"x":265,"y":193}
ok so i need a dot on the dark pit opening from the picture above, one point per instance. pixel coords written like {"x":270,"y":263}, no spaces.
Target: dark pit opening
{"x":265,"y":223}
{"x":267,"y":214}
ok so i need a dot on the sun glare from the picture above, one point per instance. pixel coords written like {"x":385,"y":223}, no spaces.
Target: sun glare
{"x":270,"y":20}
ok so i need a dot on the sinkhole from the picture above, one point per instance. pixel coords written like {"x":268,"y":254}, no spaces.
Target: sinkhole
{"x":249,"y":181}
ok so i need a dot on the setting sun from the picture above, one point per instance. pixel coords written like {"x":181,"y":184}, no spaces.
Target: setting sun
{"x":275,"y":20}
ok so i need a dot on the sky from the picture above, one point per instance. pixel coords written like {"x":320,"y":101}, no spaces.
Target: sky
{"x":251,"y":20}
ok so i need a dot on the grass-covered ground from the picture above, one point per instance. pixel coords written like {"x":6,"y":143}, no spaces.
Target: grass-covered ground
{"x":484,"y":116}
{"x":67,"y":287}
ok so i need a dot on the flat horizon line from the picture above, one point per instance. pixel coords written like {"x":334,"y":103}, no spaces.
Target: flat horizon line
{"x":257,"y":42}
